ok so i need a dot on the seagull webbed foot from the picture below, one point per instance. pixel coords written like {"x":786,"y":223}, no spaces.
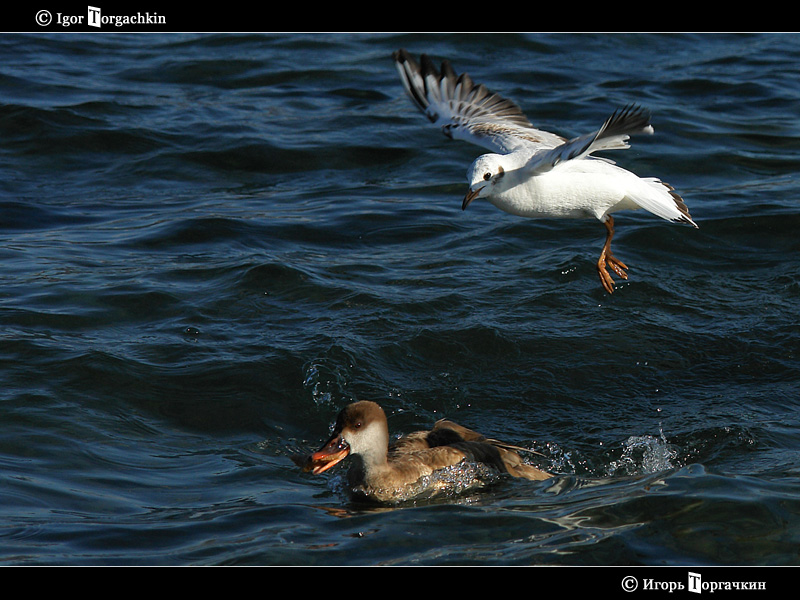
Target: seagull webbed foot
{"x":609,"y":260}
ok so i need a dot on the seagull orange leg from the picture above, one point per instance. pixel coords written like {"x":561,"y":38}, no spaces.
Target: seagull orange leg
{"x":609,"y":260}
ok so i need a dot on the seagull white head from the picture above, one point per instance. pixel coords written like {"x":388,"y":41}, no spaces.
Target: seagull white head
{"x":483,"y":174}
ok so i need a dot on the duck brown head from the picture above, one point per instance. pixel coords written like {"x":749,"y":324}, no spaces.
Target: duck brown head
{"x":360,"y":429}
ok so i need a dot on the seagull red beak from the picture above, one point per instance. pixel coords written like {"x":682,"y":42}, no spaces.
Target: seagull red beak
{"x":334,"y":451}
{"x":471,"y":195}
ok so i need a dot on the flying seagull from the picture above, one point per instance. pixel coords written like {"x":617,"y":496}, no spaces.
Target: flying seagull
{"x":534,"y":173}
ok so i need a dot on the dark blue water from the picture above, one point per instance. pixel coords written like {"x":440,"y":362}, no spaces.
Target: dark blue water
{"x":211,"y":243}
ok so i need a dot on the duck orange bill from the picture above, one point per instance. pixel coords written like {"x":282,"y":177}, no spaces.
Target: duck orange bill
{"x":334,"y":451}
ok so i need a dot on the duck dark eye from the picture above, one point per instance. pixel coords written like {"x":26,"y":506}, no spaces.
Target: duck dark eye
{"x":487,"y":176}
{"x":357,"y":425}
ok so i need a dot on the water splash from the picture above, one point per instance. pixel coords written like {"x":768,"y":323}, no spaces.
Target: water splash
{"x":312,"y":382}
{"x":643,"y":454}
{"x":327,"y":379}
{"x":453,"y":483}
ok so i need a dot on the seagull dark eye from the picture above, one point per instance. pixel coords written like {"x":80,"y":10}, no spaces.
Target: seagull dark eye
{"x":487,"y":176}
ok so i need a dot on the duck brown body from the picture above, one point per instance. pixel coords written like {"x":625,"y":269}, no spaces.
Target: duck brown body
{"x":415,"y":464}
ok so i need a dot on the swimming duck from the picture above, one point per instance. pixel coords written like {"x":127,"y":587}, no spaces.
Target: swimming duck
{"x":415,"y":464}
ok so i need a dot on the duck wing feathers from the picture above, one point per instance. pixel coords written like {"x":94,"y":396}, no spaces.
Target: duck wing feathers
{"x":449,"y":443}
